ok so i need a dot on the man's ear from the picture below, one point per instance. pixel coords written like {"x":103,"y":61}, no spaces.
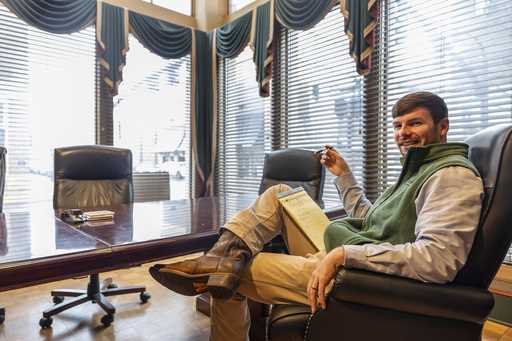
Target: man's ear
{"x":443,"y":127}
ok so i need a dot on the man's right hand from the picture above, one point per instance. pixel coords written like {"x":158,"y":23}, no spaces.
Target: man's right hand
{"x":334,"y":162}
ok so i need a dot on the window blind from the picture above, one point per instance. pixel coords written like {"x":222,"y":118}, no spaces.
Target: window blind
{"x":457,"y":49}
{"x":47,"y":100}
{"x":321,"y":95}
{"x":152,"y":119}
{"x":244,"y":129}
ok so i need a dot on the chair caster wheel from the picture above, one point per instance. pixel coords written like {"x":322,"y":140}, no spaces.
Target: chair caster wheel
{"x":112,"y":286}
{"x":144,"y":297}
{"x":57,"y":299}
{"x":107,"y":320}
{"x":45,"y":322}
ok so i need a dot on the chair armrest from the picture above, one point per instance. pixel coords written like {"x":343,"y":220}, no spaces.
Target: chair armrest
{"x":336,"y":212}
{"x":452,"y":301}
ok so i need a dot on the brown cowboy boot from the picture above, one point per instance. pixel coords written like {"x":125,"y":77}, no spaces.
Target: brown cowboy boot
{"x":217,"y":271}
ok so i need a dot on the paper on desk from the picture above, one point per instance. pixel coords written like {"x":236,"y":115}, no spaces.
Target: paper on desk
{"x":99,"y":215}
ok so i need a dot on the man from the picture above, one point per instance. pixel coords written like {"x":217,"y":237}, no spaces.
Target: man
{"x":421,"y":228}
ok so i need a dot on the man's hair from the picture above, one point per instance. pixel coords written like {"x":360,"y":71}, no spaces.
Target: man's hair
{"x":432,"y":102}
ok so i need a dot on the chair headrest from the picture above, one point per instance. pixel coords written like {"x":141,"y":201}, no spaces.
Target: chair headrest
{"x":490,"y":150}
{"x":93,"y":162}
{"x":292,"y":163}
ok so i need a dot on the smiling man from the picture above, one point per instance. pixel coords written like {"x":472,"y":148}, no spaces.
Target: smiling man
{"x":421,"y":228}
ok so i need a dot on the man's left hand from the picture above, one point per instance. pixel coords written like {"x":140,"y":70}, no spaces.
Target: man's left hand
{"x":322,"y":276}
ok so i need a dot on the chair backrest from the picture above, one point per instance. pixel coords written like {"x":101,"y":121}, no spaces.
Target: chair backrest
{"x":294,"y":167}
{"x":3,"y":169}
{"x":491,"y":152}
{"x":92,"y":176}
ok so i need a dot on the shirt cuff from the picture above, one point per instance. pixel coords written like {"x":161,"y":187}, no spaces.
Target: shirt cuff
{"x":345,"y":181}
{"x":355,"y":255}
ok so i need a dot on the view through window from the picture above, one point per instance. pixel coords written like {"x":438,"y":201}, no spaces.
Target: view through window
{"x":323,"y":95}
{"x":235,"y":5}
{"x":447,"y":47}
{"x":152,"y":117}
{"x":181,"y":6}
{"x":244,"y":134}
{"x":47,"y":100}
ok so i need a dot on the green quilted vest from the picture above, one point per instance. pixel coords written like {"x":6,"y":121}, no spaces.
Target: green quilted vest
{"x":392,"y":218}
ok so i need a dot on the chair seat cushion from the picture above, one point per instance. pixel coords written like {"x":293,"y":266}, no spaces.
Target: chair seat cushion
{"x":288,"y":322}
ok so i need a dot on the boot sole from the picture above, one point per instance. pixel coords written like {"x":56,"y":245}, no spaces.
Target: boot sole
{"x":220,"y":285}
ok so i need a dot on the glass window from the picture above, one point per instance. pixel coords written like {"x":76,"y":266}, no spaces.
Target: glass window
{"x":449,"y":48}
{"x":323,"y":95}
{"x":47,"y":100}
{"x":235,"y":5}
{"x":243,"y":126}
{"x":152,"y":117}
{"x":181,"y":6}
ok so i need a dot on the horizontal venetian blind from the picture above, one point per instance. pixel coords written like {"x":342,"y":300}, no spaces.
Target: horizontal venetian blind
{"x":458,"y":49}
{"x":322,"y":95}
{"x":47,"y":100}
{"x":244,"y":135}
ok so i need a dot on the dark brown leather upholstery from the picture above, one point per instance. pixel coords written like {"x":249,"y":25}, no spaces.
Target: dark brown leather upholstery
{"x":294,"y":167}
{"x":92,"y":176}
{"x":365,"y":305}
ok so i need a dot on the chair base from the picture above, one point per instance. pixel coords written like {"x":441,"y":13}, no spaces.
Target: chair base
{"x":93,"y":294}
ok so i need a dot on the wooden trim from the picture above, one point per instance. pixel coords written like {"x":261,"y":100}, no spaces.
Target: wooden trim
{"x":502,"y":283}
{"x":155,"y":11}
{"x":241,"y":12}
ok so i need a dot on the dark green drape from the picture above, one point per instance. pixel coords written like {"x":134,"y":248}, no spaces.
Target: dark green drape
{"x":204,"y":123}
{"x":263,"y":49}
{"x":55,"y":16}
{"x":164,"y":39}
{"x":360,"y":22}
{"x":302,"y":14}
{"x":113,"y":44}
{"x":232,"y":38}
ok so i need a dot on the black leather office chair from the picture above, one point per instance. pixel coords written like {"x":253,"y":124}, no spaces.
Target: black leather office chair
{"x":365,"y":305}
{"x":294,"y":167}
{"x":91,"y":177}
{"x":3,"y":238}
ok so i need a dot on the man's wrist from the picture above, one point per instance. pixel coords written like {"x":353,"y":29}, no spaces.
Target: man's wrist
{"x":339,"y":256}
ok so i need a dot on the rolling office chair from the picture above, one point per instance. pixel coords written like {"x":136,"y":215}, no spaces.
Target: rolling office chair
{"x":365,"y":305}
{"x":91,"y":177}
{"x":294,"y":167}
{"x":3,"y":239}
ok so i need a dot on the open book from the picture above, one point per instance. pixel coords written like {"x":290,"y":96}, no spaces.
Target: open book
{"x":306,"y":214}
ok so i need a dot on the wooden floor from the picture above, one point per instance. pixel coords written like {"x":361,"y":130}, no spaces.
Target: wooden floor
{"x":167,"y":316}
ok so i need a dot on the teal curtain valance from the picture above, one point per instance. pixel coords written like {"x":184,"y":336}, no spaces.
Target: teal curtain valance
{"x":263,"y":48}
{"x":360,"y":22}
{"x":55,"y":16}
{"x":232,"y":38}
{"x":302,"y":14}
{"x":164,"y":39}
{"x":112,"y":35}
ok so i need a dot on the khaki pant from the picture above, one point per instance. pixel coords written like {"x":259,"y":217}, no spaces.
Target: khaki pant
{"x":270,"y":278}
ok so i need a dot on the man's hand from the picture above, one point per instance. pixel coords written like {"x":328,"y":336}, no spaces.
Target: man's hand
{"x":334,"y":162}
{"x":322,"y":276}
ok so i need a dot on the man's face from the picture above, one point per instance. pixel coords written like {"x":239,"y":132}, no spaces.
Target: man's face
{"x":417,"y":129}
